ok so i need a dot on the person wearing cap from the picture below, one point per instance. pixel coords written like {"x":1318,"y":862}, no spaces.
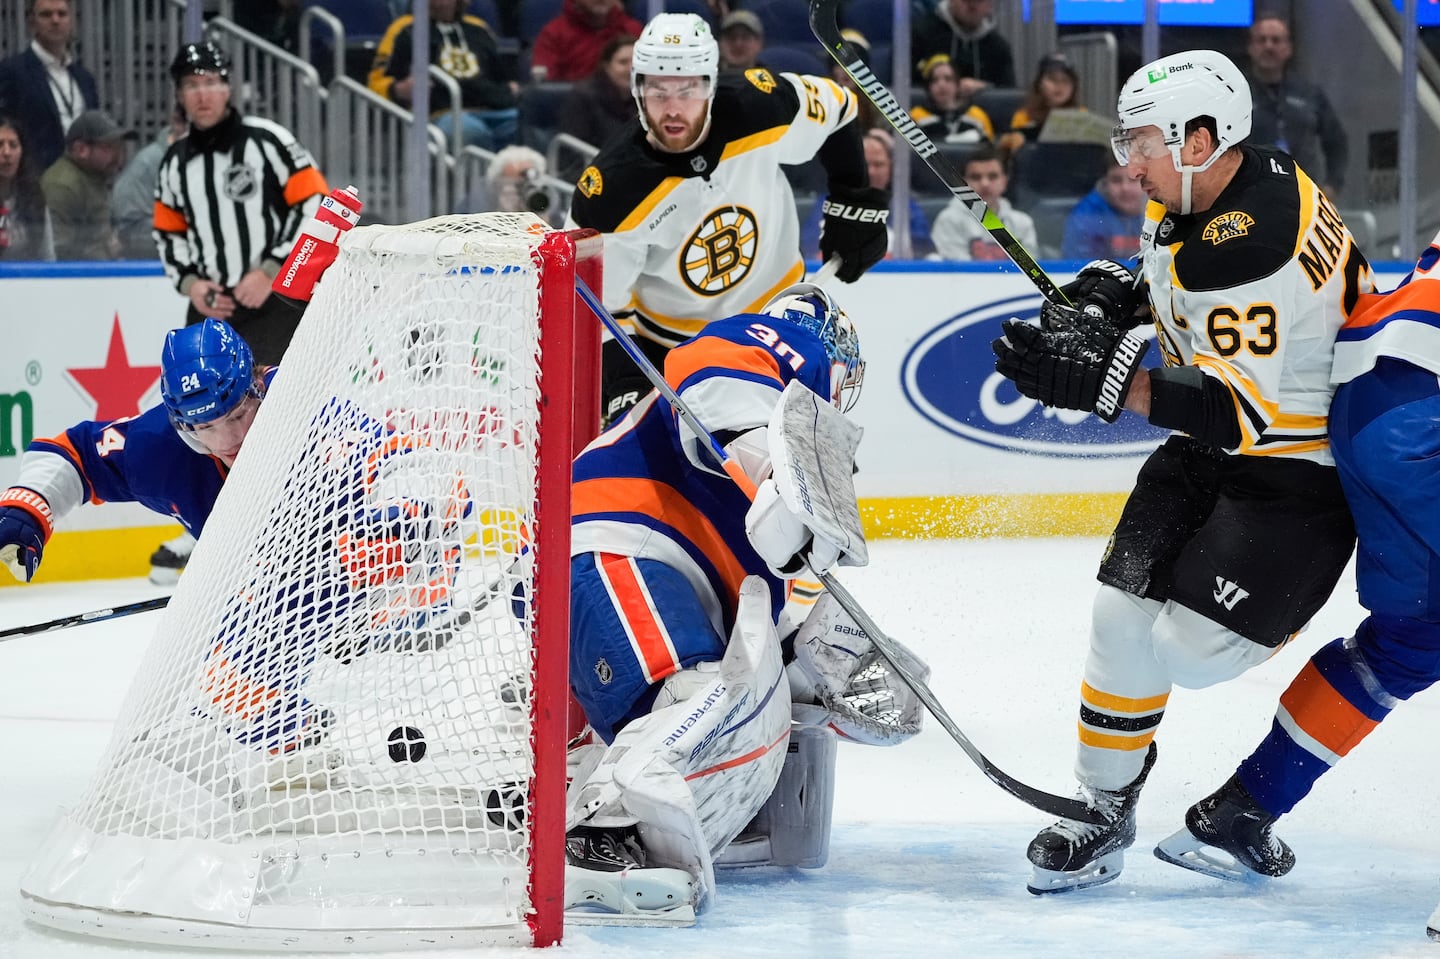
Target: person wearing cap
{"x":568,"y":47}
{"x":77,"y":189}
{"x":742,"y":37}
{"x":230,"y":200}
{"x":1056,"y":87}
{"x":698,"y":217}
{"x":44,"y":87}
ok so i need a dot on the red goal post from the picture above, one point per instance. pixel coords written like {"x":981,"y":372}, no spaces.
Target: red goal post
{"x":349,"y":731}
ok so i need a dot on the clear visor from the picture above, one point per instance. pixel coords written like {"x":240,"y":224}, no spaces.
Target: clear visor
{"x":1128,"y":144}
{"x":679,"y":89}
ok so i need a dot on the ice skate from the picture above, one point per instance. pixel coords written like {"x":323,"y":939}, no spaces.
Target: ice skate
{"x":1227,"y":835}
{"x":168,"y":562}
{"x":1076,"y":855}
{"x":607,"y":881}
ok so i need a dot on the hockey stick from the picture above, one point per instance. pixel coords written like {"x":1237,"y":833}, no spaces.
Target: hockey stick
{"x":79,"y":619}
{"x":1067,"y":808}
{"x":825,"y":26}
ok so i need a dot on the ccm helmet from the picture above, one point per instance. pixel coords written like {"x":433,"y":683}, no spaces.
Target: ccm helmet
{"x":808,"y":305}
{"x":674,"y":45}
{"x":199,"y":58}
{"x":205,"y":371}
{"x":1174,"y":90}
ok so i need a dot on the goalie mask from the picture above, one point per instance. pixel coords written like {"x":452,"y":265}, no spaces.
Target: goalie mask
{"x":206,"y":370}
{"x":809,"y":306}
{"x":676,"y":45}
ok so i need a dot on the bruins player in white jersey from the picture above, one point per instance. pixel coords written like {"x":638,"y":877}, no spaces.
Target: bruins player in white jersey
{"x":1237,"y":528}
{"x":699,"y":219}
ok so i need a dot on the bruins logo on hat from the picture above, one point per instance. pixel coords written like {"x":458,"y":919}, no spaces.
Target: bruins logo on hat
{"x":1227,"y":226}
{"x":590,"y":182}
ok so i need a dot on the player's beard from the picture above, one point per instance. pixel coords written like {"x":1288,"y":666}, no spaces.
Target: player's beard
{"x":682,"y":140}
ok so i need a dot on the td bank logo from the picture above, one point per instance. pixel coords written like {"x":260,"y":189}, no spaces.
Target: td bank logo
{"x":17,"y":422}
{"x":1155,"y":76}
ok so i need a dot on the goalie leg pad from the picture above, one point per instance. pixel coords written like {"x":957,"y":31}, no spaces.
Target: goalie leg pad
{"x":793,"y":827}
{"x":692,"y":774}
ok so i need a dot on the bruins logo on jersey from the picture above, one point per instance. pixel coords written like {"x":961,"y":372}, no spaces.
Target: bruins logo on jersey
{"x":1227,"y":226}
{"x":590,"y":182}
{"x":761,"y":78}
{"x":721,"y":251}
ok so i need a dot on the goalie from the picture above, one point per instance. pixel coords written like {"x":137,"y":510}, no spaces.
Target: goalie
{"x":678,"y":583}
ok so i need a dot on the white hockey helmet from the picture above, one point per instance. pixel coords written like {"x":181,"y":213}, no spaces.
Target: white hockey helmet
{"x":674,"y":45}
{"x":809,"y":306}
{"x":1174,"y":90}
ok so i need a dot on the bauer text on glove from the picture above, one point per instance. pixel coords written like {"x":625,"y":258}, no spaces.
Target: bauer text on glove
{"x":853,"y":229}
{"x":782,"y":538}
{"x":317,"y":245}
{"x":1070,"y":369}
{"x":25,"y":526}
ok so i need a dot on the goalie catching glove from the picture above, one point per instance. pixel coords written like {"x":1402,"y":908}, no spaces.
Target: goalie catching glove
{"x":318,"y":244}
{"x":854,"y":229}
{"x":25,"y":525}
{"x":1068,"y":365}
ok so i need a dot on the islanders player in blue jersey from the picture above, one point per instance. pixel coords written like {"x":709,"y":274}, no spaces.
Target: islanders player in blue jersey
{"x":172,"y":458}
{"x":1383,"y":435}
{"x":678,"y":583}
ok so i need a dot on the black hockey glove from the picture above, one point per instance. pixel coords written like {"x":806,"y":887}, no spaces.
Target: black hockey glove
{"x":854,"y":229}
{"x":1108,"y":294}
{"x":622,"y":385}
{"x":1071,"y":369}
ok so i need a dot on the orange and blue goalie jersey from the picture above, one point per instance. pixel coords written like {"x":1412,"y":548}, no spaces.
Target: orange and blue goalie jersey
{"x":644,"y":513}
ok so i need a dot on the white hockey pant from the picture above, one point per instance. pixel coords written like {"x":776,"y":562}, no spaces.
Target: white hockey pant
{"x":1139,"y":649}
{"x":695,"y":770}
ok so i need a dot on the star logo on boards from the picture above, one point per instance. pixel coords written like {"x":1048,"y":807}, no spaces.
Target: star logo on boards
{"x":117,"y":387}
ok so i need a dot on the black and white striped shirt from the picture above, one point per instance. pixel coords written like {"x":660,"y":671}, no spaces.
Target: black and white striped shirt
{"x":231,"y":198}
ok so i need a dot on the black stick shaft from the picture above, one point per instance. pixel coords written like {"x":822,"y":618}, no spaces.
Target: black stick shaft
{"x":94,"y":616}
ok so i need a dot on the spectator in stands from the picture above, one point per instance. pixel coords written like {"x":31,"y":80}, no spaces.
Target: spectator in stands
{"x":568,"y":47}
{"x":45,"y":88}
{"x":964,"y":31}
{"x":515,"y":183}
{"x":880,"y":163}
{"x":959,"y":236}
{"x":1290,"y":113}
{"x":462,"y":46}
{"x":24,"y":225}
{"x":600,"y":106}
{"x":132,"y":201}
{"x":274,"y":21}
{"x":1105,"y":224}
{"x":1056,"y":87}
{"x":77,"y":189}
{"x":947,"y":115}
{"x":742,"y":37}
{"x":868,"y":116}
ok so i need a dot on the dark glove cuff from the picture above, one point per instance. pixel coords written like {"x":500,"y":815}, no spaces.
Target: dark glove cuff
{"x":1120,"y":371}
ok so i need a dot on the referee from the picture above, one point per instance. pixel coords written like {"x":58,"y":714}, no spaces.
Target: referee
{"x":228,"y":204}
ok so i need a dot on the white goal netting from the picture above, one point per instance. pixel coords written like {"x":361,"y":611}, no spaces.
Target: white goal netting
{"x":331,"y":742}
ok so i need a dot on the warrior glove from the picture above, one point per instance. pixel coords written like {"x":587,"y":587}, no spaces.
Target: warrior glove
{"x":1107,"y":294}
{"x":854,"y":229}
{"x":318,"y":245}
{"x":25,"y":525}
{"x":1071,"y":368}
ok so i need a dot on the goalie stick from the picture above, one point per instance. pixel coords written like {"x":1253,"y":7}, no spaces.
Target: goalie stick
{"x":825,"y":26}
{"x":1062,"y":806}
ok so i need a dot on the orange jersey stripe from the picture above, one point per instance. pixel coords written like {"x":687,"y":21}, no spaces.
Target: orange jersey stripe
{"x":1323,"y":713}
{"x":169,"y":219}
{"x":647,"y":636}
{"x":305,"y":184}
{"x":724,"y":354}
{"x":663,"y":503}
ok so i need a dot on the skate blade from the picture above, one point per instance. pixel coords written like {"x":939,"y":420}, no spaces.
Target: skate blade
{"x":632,"y":897}
{"x":1047,"y":881}
{"x":1184,"y":850}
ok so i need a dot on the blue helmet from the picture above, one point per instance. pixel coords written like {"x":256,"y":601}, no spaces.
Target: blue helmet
{"x":205,"y":371}
{"x":809,"y":306}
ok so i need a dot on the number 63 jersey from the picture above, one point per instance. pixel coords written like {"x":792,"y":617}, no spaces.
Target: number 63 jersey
{"x":1252,"y":292}
{"x":711,"y":232}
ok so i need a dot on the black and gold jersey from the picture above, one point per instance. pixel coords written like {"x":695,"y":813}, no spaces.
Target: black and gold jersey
{"x":701,"y":235}
{"x":1252,"y":292}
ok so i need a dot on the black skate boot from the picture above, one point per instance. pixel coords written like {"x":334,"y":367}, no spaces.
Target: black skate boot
{"x":168,"y":562}
{"x":1227,"y":835}
{"x":1076,"y":855}
{"x":607,"y":881}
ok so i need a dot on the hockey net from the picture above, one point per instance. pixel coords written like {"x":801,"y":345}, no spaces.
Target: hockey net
{"x":349,"y":730}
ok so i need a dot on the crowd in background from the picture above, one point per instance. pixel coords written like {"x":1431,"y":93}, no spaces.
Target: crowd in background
{"x":68,"y":191}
